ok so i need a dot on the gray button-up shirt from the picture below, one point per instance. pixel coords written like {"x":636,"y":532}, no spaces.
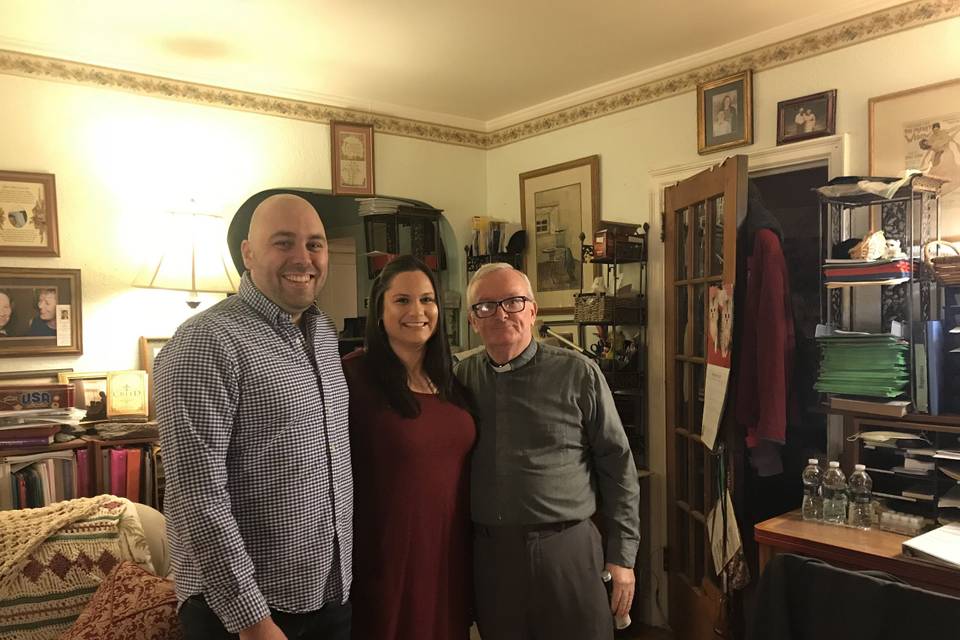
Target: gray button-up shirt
{"x":549,"y":441}
{"x":259,"y":492}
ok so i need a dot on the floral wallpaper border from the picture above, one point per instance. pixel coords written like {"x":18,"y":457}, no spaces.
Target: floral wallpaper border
{"x":862,"y":29}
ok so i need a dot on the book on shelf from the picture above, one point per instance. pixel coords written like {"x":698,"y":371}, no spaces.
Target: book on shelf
{"x":942,"y":545}
{"x":894,"y":408}
{"x":24,"y":441}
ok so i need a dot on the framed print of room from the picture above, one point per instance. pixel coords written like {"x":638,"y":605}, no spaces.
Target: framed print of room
{"x":920,"y":129}
{"x":725,"y":113}
{"x":557,"y":204}
{"x":28,"y":214}
{"x":351,"y":148}
{"x":40,"y":312}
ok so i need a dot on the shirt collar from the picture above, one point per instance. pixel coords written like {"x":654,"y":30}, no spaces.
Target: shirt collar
{"x":250,"y":294}
{"x":525,"y":356}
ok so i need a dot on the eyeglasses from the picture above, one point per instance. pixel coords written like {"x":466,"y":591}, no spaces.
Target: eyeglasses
{"x":485,"y":309}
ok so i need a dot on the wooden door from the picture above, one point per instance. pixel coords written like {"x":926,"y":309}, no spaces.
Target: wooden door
{"x":701,"y":217}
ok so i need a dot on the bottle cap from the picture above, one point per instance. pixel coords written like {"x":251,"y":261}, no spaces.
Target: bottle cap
{"x":834,"y":463}
{"x":813,"y":461}
{"x":859,"y":467}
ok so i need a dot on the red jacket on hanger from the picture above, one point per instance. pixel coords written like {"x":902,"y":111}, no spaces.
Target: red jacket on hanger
{"x":766,"y":343}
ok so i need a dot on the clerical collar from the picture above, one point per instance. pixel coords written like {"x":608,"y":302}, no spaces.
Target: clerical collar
{"x":525,"y":356}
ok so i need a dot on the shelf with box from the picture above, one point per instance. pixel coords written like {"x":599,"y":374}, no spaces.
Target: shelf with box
{"x":409,"y":230}
{"x":614,"y":324}
{"x":886,"y":372}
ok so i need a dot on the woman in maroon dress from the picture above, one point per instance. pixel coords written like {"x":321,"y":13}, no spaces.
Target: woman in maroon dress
{"x":410,"y":436}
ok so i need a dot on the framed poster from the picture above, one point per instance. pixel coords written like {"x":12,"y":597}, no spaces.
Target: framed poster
{"x":557,"y":204}
{"x":28,"y":214}
{"x":351,"y":146}
{"x":920,"y":129}
{"x":725,"y":113}
{"x":40,"y":312}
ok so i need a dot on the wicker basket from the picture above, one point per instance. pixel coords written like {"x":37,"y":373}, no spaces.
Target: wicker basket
{"x":946,"y":269}
{"x":590,"y":307}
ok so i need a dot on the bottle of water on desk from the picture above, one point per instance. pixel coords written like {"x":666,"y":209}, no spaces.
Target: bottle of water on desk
{"x":861,"y":507}
{"x":834,"y":495}
{"x":812,"y":492}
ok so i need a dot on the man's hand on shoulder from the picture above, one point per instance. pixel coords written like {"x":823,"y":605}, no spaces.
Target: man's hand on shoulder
{"x":621,"y":596}
{"x":266,"y":629}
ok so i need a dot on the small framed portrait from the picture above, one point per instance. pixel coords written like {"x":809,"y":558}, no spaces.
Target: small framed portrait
{"x":28,"y":214}
{"x":40,"y":312}
{"x":90,"y":392}
{"x":351,"y":146}
{"x":725,"y":113}
{"x":149,"y":348}
{"x":808,"y":117}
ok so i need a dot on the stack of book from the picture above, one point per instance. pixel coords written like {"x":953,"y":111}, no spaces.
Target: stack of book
{"x":869,"y":365}
{"x":948,"y":461}
{"x":844,"y":273}
{"x":377,"y":206}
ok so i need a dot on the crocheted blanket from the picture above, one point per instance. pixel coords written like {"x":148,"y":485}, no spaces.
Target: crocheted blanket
{"x":53,"y":559}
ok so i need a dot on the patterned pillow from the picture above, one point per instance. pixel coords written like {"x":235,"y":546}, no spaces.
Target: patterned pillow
{"x":131,"y":604}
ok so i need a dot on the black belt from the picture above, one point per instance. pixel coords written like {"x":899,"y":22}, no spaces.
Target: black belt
{"x":523,"y":529}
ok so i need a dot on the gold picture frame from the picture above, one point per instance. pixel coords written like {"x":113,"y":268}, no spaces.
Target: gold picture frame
{"x":557,"y":204}
{"x":127,"y":395}
{"x":28,"y":214}
{"x":351,"y":148}
{"x":725,"y":113}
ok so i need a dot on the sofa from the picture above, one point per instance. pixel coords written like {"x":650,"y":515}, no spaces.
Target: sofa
{"x":91,"y":568}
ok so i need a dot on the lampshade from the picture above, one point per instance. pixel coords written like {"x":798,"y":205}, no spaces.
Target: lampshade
{"x":192,"y":256}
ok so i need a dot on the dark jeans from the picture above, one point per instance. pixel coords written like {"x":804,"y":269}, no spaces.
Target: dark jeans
{"x":332,"y":622}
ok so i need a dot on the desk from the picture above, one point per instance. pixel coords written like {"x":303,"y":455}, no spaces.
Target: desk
{"x":850,"y":548}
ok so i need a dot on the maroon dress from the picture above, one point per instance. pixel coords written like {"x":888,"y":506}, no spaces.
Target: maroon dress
{"x":412,"y":575}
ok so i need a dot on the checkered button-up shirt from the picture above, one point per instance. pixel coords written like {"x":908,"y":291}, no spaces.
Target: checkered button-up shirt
{"x":253,"y":427}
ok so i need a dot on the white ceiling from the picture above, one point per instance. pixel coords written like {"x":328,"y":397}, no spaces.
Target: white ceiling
{"x":472,"y":63}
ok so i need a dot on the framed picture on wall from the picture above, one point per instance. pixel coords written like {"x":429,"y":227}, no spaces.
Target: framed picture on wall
{"x":40,"y":312}
{"x":808,"y":117}
{"x":920,"y":129}
{"x":557,"y":204}
{"x":351,"y":146}
{"x":28,"y":214}
{"x":725,"y":113}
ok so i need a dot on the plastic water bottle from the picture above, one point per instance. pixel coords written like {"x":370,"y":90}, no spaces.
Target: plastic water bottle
{"x":861,"y":506}
{"x":812,"y":492}
{"x":834,"y":495}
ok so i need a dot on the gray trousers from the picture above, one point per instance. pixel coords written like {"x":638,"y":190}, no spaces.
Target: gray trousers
{"x":537,"y":583}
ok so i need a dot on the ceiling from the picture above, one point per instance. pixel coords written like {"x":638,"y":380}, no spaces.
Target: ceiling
{"x":464,"y":63}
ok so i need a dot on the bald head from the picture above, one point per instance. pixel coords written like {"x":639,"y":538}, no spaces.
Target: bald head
{"x":286,"y":252}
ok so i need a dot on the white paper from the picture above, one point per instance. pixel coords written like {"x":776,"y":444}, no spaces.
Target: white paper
{"x":64,"y":330}
{"x":721,"y":556}
{"x":714,"y":398}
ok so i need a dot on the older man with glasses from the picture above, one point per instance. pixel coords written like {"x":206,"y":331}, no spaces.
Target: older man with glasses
{"x":550,"y":451}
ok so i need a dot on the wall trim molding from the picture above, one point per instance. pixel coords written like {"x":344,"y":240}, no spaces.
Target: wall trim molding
{"x":874,"y":25}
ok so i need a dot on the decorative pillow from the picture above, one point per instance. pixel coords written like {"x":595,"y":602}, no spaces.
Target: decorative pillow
{"x":131,"y":604}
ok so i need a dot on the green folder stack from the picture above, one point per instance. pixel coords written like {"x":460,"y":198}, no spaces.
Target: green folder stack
{"x":873,"y":365}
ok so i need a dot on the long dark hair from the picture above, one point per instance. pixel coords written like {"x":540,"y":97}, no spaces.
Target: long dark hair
{"x":382,"y":364}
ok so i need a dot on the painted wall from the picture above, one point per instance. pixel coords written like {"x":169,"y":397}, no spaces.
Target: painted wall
{"x":664,"y":134}
{"x":122,"y":160}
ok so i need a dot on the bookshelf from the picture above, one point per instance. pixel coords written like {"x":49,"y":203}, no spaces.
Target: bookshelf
{"x":88,"y":471}
{"x":906,"y":472}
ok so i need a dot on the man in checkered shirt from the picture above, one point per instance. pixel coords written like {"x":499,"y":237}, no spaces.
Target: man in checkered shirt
{"x":252,"y":406}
